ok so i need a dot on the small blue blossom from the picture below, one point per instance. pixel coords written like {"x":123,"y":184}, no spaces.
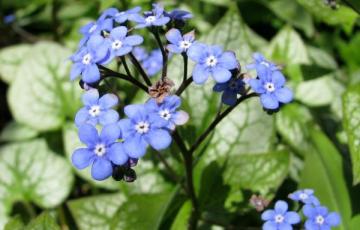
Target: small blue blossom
{"x":230,"y":90}
{"x":101,"y":152}
{"x":167,"y":110}
{"x":140,"y":53}
{"x":306,"y":196}
{"x":319,"y":218}
{"x":86,"y":58}
{"x":179,"y":15}
{"x":9,"y":18}
{"x":261,"y":65}
{"x":120,"y":44}
{"x":97,"y":110}
{"x":155,"y":17}
{"x":142,"y":129}
{"x":211,"y":61}
{"x":270,"y":86}
{"x":153,"y":63}
{"x":178,"y":43}
{"x":279,"y":218}
{"x":95,"y":28}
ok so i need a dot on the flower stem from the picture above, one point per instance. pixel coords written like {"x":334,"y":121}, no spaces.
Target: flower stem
{"x":163,"y":52}
{"x":185,"y":59}
{"x":140,"y":69}
{"x":183,"y":86}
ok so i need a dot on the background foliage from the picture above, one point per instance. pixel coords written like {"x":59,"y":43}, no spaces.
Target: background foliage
{"x":312,"y":143}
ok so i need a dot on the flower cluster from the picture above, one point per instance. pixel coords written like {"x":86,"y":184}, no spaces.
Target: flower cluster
{"x":317,"y":216}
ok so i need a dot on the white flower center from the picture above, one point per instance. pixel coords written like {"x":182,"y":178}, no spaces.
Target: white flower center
{"x":86,"y":59}
{"x":320,"y":220}
{"x":279,"y":218}
{"x":185,"y":44}
{"x":211,"y":61}
{"x":269,"y":87}
{"x":142,"y":127}
{"x":100,"y":150}
{"x":265,"y":63}
{"x":117,"y":44}
{"x":303,"y":196}
{"x":150,"y":19}
{"x":165,"y":114}
{"x":94,"y":111}
{"x":93,"y":28}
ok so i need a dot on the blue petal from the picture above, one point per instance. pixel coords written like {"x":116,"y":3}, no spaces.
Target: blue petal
{"x":172,"y":102}
{"x":310,"y":225}
{"x":190,"y":36}
{"x":90,"y":97}
{"x":82,"y":158}
{"x":257,"y":86}
{"x":174,"y":36}
{"x":109,"y":134}
{"x":88,"y":135}
{"x":333,"y":219}
{"x":101,"y":169}
{"x":284,"y":95}
{"x":281,"y":207}
{"x":133,"y":40}
{"x":268,"y":215}
{"x":325,"y":227}
{"x":137,"y":18}
{"x":161,"y":21}
{"x":215,"y":50}
{"x":284,"y":226}
{"x":126,"y":127}
{"x":108,"y":117}
{"x":196,"y":51}
{"x":118,"y":33}
{"x":107,"y":24}
{"x":123,"y":50}
{"x":322,"y":210}
{"x":76,"y":70}
{"x":108,"y":100}
{"x":159,"y":139}
{"x":82,"y":116}
{"x":269,"y":101}
{"x":292,"y":218}
{"x":152,"y":106}
{"x":134,"y":10}
{"x":278,"y":79}
{"x":121,"y":18}
{"x":174,"y":49}
{"x":95,"y":41}
{"x":219,"y":87}
{"x":221,"y":74}
{"x":91,"y":74}
{"x":229,"y":97}
{"x":117,"y":154}
{"x":309,"y":211}
{"x":180,"y":117}
{"x":200,"y":74}
{"x":269,"y":225}
{"x":135,"y":146}
{"x":135,"y":111}
{"x":228,"y":60}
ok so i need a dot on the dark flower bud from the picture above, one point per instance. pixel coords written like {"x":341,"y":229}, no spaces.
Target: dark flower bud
{"x":129,"y":175}
{"x":118,"y":172}
{"x":133,"y":162}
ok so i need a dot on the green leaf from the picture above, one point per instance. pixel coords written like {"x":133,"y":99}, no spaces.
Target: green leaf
{"x":10,"y":59}
{"x":263,"y":173}
{"x":351,"y":120}
{"x":136,"y":215}
{"x":31,"y":172}
{"x":348,"y":52}
{"x":291,"y":123}
{"x":43,"y":222}
{"x":14,"y":223}
{"x":323,"y":172}
{"x":71,"y":143}
{"x":287,"y":47}
{"x":321,"y":91}
{"x":42,"y":95}
{"x":343,"y":16}
{"x":14,"y":131}
{"x":96,"y":212}
{"x":355,"y":222}
{"x":321,"y":58}
{"x":182,"y":218}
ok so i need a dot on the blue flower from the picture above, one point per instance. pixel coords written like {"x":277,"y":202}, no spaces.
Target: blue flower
{"x":230,"y":90}
{"x":211,"y":61}
{"x":140,"y":53}
{"x":155,"y":17}
{"x":319,"y":218}
{"x":279,"y":218}
{"x":86,"y":58}
{"x":153,"y":63}
{"x":97,"y":110}
{"x":179,"y":15}
{"x":306,"y":196}
{"x":179,"y":43}
{"x":261,"y":65}
{"x":120,"y":44}
{"x":101,"y":152}
{"x":9,"y":19}
{"x":167,"y":111}
{"x":142,"y":129}
{"x":270,"y":86}
{"x":95,"y":28}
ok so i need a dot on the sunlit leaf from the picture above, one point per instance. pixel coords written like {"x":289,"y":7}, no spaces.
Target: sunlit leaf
{"x":14,"y":131}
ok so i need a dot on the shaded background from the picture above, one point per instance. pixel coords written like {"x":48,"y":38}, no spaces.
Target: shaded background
{"x":314,"y":142}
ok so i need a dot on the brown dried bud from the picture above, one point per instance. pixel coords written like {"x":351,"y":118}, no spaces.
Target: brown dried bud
{"x":161,"y":89}
{"x":258,"y":202}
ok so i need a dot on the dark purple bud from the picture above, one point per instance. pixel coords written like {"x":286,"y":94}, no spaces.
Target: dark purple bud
{"x":118,"y":172}
{"x":133,"y":162}
{"x":129,"y":175}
